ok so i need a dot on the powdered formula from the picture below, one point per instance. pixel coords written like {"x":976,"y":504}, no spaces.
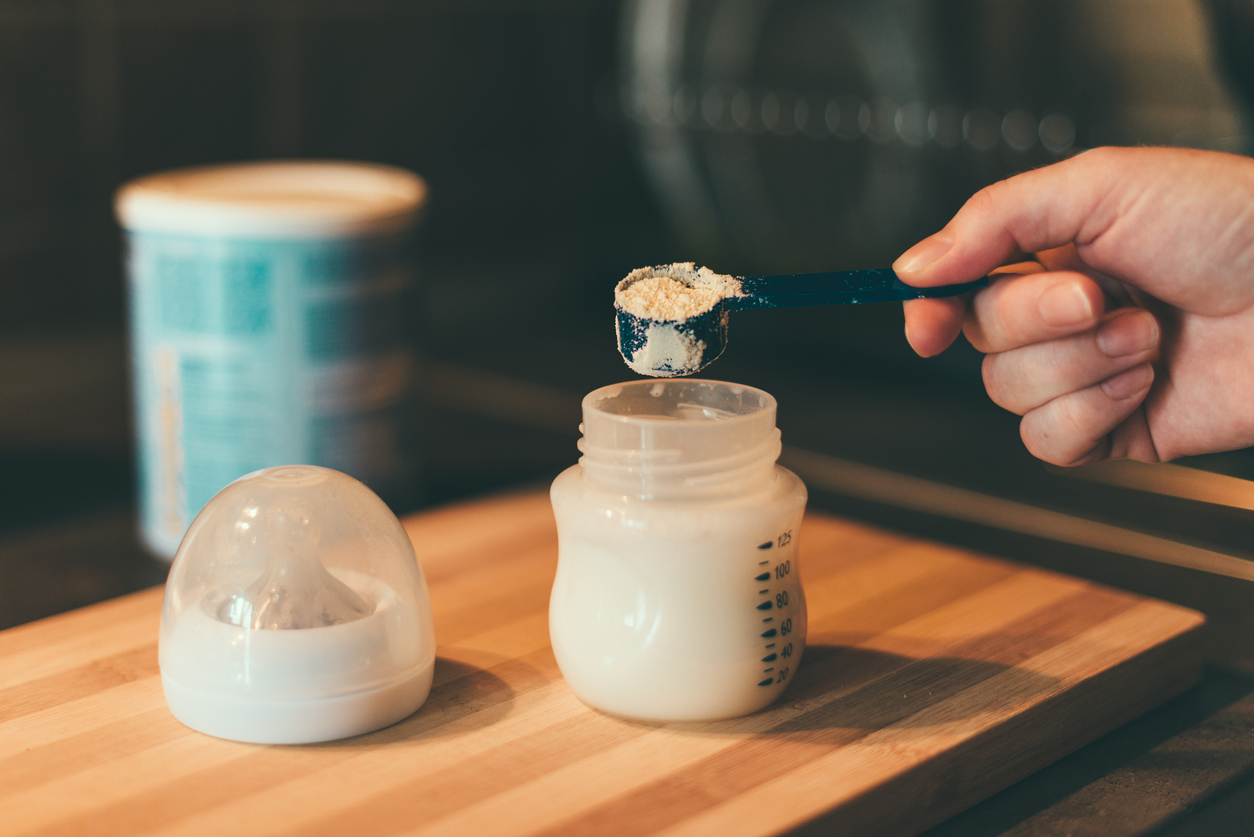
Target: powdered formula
{"x":665,"y":299}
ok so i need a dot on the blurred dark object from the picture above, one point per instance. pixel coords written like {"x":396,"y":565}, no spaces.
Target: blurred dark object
{"x":821,"y":134}
{"x":1232,"y":22}
{"x":492,"y":102}
{"x":272,"y":321}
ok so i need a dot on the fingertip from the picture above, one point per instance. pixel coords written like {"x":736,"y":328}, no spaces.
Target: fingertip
{"x":918,"y":344}
{"x":932,"y":324}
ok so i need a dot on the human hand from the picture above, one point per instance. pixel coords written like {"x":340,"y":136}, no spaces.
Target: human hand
{"x":1131,"y":333}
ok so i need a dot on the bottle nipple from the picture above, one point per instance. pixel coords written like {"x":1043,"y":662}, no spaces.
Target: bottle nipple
{"x":295,"y":590}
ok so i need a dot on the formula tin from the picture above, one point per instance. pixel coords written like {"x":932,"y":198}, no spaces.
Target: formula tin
{"x":270,"y":312}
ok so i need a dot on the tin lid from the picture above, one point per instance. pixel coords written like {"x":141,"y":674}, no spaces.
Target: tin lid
{"x":277,"y":199}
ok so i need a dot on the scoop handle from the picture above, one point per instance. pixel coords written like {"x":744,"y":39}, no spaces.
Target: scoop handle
{"x":841,"y":287}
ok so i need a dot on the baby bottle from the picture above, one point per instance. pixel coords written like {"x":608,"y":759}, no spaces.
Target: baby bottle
{"x":678,"y":595}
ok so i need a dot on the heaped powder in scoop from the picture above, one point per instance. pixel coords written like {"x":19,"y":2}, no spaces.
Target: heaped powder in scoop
{"x":664,"y":298}
{"x":673,"y":292}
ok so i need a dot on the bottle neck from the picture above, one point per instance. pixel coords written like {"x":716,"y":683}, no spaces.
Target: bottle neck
{"x":680,"y":439}
{"x":652,"y":474}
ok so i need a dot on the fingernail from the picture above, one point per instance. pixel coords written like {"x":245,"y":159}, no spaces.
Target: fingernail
{"x":924,"y":253}
{"x":1128,"y":334}
{"x":1065,"y":305}
{"x":1130,"y":383}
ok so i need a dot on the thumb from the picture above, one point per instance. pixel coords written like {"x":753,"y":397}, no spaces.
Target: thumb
{"x":1034,"y":211}
{"x":1172,"y":222}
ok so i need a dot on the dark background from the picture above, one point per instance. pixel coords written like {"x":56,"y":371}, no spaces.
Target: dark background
{"x":565,"y":143}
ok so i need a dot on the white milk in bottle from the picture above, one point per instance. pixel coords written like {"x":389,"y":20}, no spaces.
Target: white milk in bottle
{"x":678,"y":595}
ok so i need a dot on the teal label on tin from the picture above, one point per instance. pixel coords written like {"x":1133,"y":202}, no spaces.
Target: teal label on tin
{"x":249,"y":354}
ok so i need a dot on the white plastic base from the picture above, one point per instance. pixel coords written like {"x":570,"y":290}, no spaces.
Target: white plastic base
{"x":297,"y":721}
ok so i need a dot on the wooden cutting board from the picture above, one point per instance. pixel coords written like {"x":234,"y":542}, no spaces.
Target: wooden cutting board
{"x":933,"y":678}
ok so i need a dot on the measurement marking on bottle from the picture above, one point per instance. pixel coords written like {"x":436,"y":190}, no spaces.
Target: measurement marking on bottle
{"x":782,"y":600}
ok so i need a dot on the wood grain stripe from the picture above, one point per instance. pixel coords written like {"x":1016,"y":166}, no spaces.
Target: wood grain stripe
{"x":478,"y":534}
{"x":132,"y":624}
{"x":306,"y":800}
{"x":45,"y":635}
{"x":904,"y":691}
{"x":171,"y":782}
{"x":69,"y":718}
{"x":839,"y":776}
{"x":71,"y":684}
{"x":97,"y":747}
{"x":459,"y":689}
{"x":856,"y":671}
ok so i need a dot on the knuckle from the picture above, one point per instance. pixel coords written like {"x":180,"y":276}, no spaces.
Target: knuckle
{"x":995,"y":195}
{"x":981,"y":325}
{"x":1103,"y":156}
{"x":986,"y":200}
{"x":1006,"y":313}
{"x":975,"y":335}
{"x":1056,"y":365}
{"x":1070,"y":417}
{"x":1003,"y":394}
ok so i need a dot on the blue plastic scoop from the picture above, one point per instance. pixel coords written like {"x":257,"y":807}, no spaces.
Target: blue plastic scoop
{"x":691,"y":333}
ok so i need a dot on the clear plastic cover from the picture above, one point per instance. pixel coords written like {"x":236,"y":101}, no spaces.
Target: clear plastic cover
{"x":294,"y":583}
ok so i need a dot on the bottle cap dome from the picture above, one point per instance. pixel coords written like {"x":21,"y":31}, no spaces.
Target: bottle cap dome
{"x":295,"y":611}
